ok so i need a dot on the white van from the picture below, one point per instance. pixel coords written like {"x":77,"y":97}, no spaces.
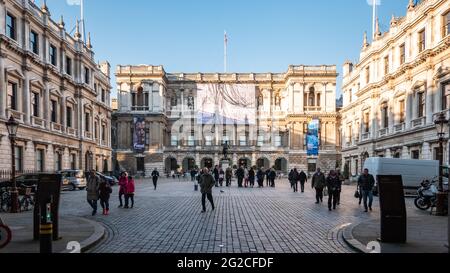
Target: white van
{"x":413,"y":171}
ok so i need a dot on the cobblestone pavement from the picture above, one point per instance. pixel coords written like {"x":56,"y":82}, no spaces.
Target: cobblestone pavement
{"x":246,"y":220}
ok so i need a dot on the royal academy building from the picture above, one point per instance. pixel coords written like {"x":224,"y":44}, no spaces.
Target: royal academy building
{"x":51,"y":85}
{"x":176,"y":121}
{"x":399,"y":85}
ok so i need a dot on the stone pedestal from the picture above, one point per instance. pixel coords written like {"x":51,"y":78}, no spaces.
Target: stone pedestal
{"x":225,"y":164}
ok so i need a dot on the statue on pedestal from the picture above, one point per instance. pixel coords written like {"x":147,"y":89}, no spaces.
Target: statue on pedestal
{"x":226,"y":147}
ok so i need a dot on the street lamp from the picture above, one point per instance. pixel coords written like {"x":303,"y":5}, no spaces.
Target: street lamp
{"x":12,"y":125}
{"x":440,"y":123}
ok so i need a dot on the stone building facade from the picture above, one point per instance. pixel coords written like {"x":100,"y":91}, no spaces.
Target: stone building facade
{"x":176,"y":140}
{"x":399,"y":85}
{"x":50,"y":83}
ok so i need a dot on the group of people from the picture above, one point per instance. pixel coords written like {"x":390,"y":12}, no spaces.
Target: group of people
{"x":332,"y":184}
{"x":295,"y":177}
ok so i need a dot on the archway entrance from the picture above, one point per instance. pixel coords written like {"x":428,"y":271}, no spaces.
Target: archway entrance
{"x":170,"y":164}
{"x":188,"y":164}
{"x":245,"y":162}
{"x":281,"y":165}
{"x":207,"y":162}
{"x":263,"y":163}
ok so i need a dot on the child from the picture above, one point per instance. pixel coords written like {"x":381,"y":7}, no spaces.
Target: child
{"x":129,"y":192}
{"x":104,"y":194}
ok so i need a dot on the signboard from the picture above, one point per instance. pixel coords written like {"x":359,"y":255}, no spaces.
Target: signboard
{"x":393,"y":208}
{"x":312,"y":138}
{"x":139,"y":134}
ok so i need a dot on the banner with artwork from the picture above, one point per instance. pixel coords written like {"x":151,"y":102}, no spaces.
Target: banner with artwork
{"x":139,"y":134}
{"x":312,"y":138}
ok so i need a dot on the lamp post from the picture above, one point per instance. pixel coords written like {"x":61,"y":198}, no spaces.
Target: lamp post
{"x":12,"y":125}
{"x":440,"y":123}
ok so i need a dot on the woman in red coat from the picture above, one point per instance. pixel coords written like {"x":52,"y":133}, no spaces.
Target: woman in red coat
{"x":123,"y":181}
{"x":129,"y":192}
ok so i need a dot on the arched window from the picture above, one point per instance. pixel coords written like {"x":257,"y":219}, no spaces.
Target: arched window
{"x":311,"y":96}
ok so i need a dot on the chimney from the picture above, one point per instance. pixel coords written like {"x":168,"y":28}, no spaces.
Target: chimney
{"x":348,"y":68}
{"x":105,"y":67}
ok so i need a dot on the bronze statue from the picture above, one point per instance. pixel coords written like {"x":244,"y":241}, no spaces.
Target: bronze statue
{"x":226,"y":147}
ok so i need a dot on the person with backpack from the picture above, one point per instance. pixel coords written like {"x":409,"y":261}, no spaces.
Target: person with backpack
{"x":318,"y":183}
{"x":105,"y":191}
{"x":130,"y":193}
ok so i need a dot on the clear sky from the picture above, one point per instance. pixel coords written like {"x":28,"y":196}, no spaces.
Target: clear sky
{"x":264,"y":35}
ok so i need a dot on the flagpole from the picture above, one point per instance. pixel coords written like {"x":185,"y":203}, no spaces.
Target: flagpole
{"x":83,"y":29}
{"x":374,"y":15}
{"x":225,"y":52}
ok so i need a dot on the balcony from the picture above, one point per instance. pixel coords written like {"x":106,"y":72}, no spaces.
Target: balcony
{"x":383,"y":132}
{"x":365,"y":136}
{"x":71,"y":131}
{"x":87,"y":134}
{"x":312,"y":108}
{"x":399,"y":128}
{"x":37,"y":121}
{"x":140,"y":108}
{"x":16,"y":114}
{"x":418,"y":122}
{"x":56,"y":127}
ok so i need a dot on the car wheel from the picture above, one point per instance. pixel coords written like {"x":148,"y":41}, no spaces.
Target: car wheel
{"x":82,"y":188}
{"x":72,"y":187}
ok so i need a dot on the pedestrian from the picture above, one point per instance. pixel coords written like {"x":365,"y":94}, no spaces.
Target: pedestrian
{"x":240,"y":176}
{"x":295,"y":180}
{"x":333,"y":189}
{"x":366,"y":183}
{"x":260,"y":177}
{"x":267,"y":177}
{"x":130,"y":193}
{"x":123,"y":181}
{"x":216,"y":175}
{"x":221,"y":176}
{"x":105,"y":191}
{"x":155,"y":176}
{"x":193,"y":174}
{"x":291,"y":178}
{"x":272,"y":176}
{"x":92,"y":191}
{"x":206,"y":184}
{"x":251,"y":177}
{"x":246,"y":177}
{"x":318,"y":183}
{"x":303,"y":179}
{"x":228,"y":176}
{"x":341,"y":180}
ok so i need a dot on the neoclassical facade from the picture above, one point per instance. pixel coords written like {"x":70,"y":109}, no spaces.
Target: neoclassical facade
{"x":52,"y":86}
{"x":176,"y":139}
{"x":401,"y":82}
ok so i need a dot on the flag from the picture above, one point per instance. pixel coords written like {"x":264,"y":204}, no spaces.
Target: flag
{"x":226,"y":38}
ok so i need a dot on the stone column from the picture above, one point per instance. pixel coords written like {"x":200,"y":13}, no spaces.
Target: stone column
{"x":388,"y":153}
{"x":3,"y":83}
{"x":414,"y":106}
{"x":426,"y":153}
{"x":26,"y":98}
{"x":302,"y":103}
{"x":63,"y":118}
{"x":3,"y":16}
{"x":429,"y":97}
{"x":291,"y":98}
{"x":323,"y":101}
{"x":182,"y":101}
{"x":408,"y":114}
{"x":374,"y":118}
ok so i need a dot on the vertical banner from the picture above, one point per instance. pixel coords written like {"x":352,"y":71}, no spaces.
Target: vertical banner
{"x":312,"y":138}
{"x":139,"y":135}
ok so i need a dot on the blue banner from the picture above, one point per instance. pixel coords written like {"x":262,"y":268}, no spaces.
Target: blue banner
{"x":312,"y":138}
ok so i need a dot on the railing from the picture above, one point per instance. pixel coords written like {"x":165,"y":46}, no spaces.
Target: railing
{"x":38,"y":121}
{"x":87,"y":134}
{"x":399,"y":127}
{"x":312,"y":108}
{"x":6,"y":175}
{"x":71,"y":131}
{"x":418,"y":122}
{"x":16,"y":114}
{"x":365,"y":136}
{"x":140,"y":108}
{"x":56,"y":127}
{"x":383,"y":132}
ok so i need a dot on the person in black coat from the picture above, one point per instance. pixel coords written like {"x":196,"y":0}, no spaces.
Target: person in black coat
{"x":291,"y":178}
{"x":295,"y":180}
{"x":155,"y":175}
{"x":260,"y":177}
{"x":240,"y":176}
{"x":303,"y":179}
{"x":333,"y":189}
{"x":272,"y":176}
{"x":216,"y":175}
{"x":251,"y":177}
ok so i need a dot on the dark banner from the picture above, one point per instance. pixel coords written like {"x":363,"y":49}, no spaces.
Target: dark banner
{"x":139,"y":134}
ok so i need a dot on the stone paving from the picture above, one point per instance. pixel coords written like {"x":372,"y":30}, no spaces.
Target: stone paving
{"x":246,"y":220}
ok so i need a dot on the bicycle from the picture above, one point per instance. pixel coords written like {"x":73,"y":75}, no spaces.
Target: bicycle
{"x":5,"y":200}
{"x":27,"y":199}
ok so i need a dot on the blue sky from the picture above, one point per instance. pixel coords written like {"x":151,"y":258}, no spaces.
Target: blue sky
{"x":264,"y":35}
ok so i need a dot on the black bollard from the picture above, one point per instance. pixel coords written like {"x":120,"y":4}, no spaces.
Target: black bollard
{"x":45,"y":229}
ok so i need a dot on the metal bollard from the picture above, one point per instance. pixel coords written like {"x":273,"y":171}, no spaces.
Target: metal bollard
{"x":45,"y":229}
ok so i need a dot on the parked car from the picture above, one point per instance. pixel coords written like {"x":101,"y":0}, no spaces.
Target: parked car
{"x":110,"y":179}
{"x":73,"y":179}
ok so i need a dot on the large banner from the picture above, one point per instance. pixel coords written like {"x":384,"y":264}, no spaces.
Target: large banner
{"x":312,"y":138}
{"x":139,"y":134}
{"x":226,"y":104}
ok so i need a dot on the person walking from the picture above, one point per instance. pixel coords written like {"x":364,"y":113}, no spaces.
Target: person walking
{"x":228,"y":176}
{"x":260,"y":177}
{"x":341,"y":180}
{"x":206,"y":185}
{"x":240,"y":176}
{"x":221,"y":176}
{"x":272,"y":176}
{"x":105,"y":191}
{"x":366,"y":183}
{"x":291,"y":178}
{"x":251,"y":177}
{"x":295,"y":180}
{"x":155,"y":176}
{"x":303,"y":179}
{"x":130,"y":193}
{"x":216,"y":175}
{"x":123,"y":181}
{"x":318,"y":183}
{"x":333,"y":189}
{"x":92,"y":187}
{"x":193,"y":174}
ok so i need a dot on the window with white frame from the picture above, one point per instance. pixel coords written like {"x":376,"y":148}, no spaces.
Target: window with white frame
{"x":191,"y":140}
{"x":421,"y":40}
{"x":208,"y":140}
{"x":446,"y":29}
{"x":260,"y":141}
{"x":39,"y":160}
{"x":58,"y":161}
{"x":12,"y":96}
{"x":277,"y":141}
{"x":174,"y":140}
{"x":402,"y":110}
{"x":242,"y":140}
{"x":384,"y":115}
{"x":421,"y":104}
{"x":11,"y":26}
{"x":53,"y":55}
{"x":35,"y":101}
{"x":446,"y":95}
